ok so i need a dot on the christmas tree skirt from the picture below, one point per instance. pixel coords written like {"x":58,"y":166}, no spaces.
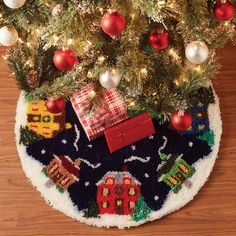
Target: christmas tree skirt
{"x":140,"y":183}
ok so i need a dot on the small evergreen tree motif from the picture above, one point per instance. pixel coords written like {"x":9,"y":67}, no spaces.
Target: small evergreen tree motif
{"x":28,"y":136}
{"x":92,"y":211}
{"x":209,"y":137}
{"x":141,"y":211}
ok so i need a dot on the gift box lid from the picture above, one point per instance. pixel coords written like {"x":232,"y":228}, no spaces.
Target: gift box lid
{"x":129,"y":131}
{"x":113,"y":106}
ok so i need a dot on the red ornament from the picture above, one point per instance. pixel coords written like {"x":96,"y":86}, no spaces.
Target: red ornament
{"x":224,"y":10}
{"x":55,"y":106}
{"x":159,"y":40}
{"x":181,"y":121}
{"x":113,"y":23}
{"x":64,"y":59}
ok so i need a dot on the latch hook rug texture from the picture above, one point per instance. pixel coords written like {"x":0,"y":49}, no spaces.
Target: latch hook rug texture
{"x":138,"y":184}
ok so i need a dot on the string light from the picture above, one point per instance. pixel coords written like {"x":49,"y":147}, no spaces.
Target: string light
{"x":226,"y":24}
{"x":4,"y":57}
{"x":80,"y":68}
{"x":92,"y":94}
{"x":174,"y":54}
{"x":89,"y":43}
{"x":70,"y":42}
{"x":47,"y":4}
{"x":177,"y":83}
{"x":101,"y":59}
{"x":89,"y":74}
{"x":197,"y":68}
{"x":133,"y":16}
{"x":161,"y":3}
{"x":144,"y":71}
{"x":56,"y":38}
{"x":29,"y":63}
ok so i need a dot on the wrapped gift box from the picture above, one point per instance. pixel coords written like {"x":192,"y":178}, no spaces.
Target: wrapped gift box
{"x":112,"y":111}
{"x":129,"y":132}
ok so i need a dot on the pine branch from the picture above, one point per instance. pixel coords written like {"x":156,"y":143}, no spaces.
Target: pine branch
{"x":29,"y":17}
{"x":64,"y":86}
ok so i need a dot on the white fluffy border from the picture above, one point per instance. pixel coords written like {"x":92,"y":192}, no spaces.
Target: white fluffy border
{"x":63,"y":203}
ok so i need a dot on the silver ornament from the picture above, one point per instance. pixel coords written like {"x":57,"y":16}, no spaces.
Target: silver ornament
{"x":110,"y":78}
{"x":8,"y":35}
{"x":14,"y":4}
{"x":197,"y":52}
{"x":57,"y":10}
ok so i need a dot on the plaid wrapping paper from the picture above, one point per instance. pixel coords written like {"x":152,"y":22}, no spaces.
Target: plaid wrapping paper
{"x":112,"y":111}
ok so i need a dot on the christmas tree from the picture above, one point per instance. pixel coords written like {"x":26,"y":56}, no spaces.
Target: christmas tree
{"x":141,"y":210}
{"x":158,"y":53}
{"x":92,"y":210}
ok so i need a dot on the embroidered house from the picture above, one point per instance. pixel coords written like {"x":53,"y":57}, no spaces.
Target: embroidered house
{"x":63,"y":172}
{"x":43,"y":122}
{"x":174,"y":171}
{"x":117,"y":193}
{"x":200,"y":123}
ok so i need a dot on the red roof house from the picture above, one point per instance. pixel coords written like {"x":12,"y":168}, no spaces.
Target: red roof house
{"x":117,"y":193}
{"x":63,"y":171}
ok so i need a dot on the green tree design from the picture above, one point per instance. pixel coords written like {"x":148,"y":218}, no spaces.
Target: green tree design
{"x":92,"y":211}
{"x":28,"y":136}
{"x":141,"y":211}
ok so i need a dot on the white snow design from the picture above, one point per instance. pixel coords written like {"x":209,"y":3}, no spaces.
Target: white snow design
{"x":134,"y":158}
{"x":77,"y":138}
{"x":64,"y":141}
{"x":43,"y":152}
{"x":163,"y":146}
{"x":156,"y":198}
{"x":91,"y":165}
{"x":190,"y":144}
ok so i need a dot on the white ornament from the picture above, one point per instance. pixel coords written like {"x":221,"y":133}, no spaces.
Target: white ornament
{"x":110,"y":78}
{"x":14,"y":4}
{"x":57,"y":10}
{"x":8,"y":36}
{"x":197,"y":52}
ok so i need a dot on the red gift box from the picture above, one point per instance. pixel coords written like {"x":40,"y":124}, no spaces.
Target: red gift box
{"x":112,"y":111}
{"x":129,"y":132}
